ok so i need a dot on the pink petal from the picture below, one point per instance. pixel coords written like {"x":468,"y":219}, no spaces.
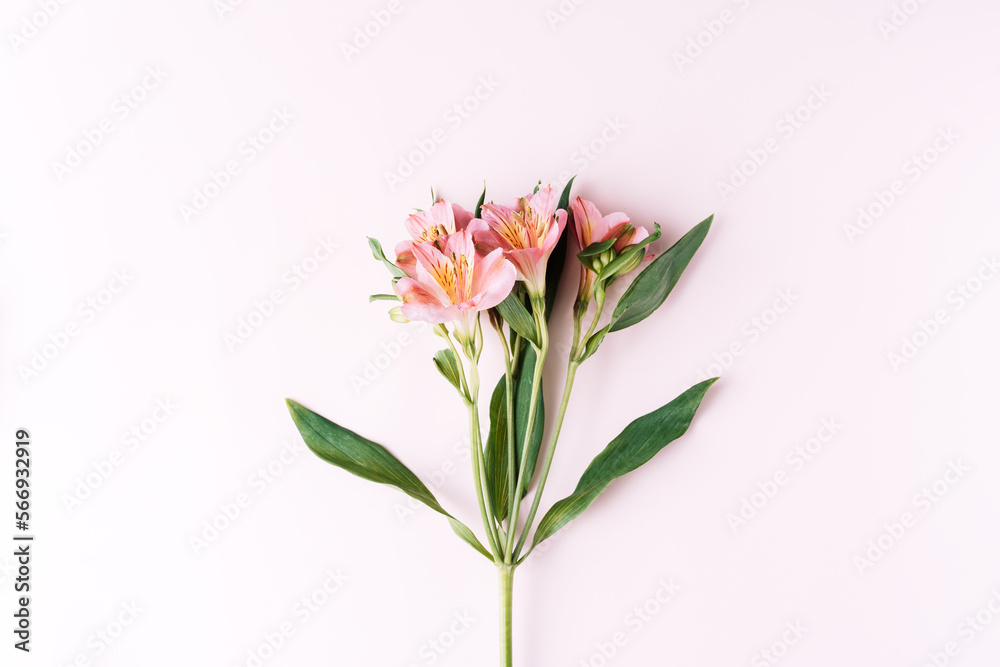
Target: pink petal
{"x":552,"y":238}
{"x":459,"y":243}
{"x":530,"y":264}
{"x":461,"y":216}
{"x":493,"y":279}
{"x":430,"y":261}
{"x":427,"y":225}
{"x":405,"y":259}
{"x":608,"y":223}
{"x":421,"y":304}
{"x":640,"y":234}
{"x":544,"y":201}
{"x":497,"y":215}
{"x":583,"y":221}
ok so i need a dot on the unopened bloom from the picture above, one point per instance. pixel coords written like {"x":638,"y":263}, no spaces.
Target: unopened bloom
{"x":451,"y":283}
{"x":590,"y":227}
{"x":441,"y":219}
{"x":526,"y":230}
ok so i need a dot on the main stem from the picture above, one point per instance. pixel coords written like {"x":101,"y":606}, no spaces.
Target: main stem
{"x":506,"y":607}
{"x":574,"y":363}
{"x":567,"y":390}
{"x":477,"y":460}
{"x":538,"y":307}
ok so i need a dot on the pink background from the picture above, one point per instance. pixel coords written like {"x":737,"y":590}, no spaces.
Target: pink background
{"x":278,"y":137}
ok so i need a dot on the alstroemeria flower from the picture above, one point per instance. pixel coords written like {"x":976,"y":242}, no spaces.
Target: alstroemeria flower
{"x":441,"y":219}
{"x":527,"y":230}
{"x":589,"y":227}
{"x":451,"y":283}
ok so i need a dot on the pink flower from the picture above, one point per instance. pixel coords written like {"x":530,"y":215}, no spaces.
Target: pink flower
{"x":590,"y":227}
{"x":526,"y":230}
{"x":441,"y":219}
{"x":451,"y":283}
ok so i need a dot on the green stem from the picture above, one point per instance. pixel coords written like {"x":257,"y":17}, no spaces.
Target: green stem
{"x":590,"y":332}
{"x":574,"y":363}
{"x":478,"y":462}
{"x":509,"y":386}
{"x":506,"y":609}
{"x":567,"y":390}
{"x":538,"y":306}
{"x":511,"y":436}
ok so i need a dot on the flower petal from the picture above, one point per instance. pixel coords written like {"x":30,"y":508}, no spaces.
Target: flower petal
{"x":421,"y":304}
{"x":544,"y":201}
{"x":493,"y":279}
{"x":428,"y":225}
{"x":434,"y":270}
{"x":585,"y":216}
{"x":461,"y":216}
{"x":405,"y":259}
{"x":609,"y":223}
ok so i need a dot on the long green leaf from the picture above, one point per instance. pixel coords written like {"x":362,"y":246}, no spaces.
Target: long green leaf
{"x":650,"y":288}
{"x":557,"y":260}
{"x":348,"y":450}
{"x":495,"y":454}
{"x":496,"y":441}
{"x":635,"y":445}
{"x":517,"y":316}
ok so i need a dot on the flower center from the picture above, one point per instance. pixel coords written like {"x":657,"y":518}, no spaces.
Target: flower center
{"x":525,"y":228}
{"x":454,"y":276}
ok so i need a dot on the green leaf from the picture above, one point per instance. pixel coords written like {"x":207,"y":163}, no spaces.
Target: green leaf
{"x":448,"y":365}
{"x":495,"y":454}
{"x":522,"y":405}
{"x":380,"y":255}
{"x":383,"y":297}
{"x":517,"y":316}
{"x":650,"y":288}
{"x":564,"y":197}
{"x":594,"y":342}
{"x":345,"y":449}
{"x":557,"y":260}
{"x":596,"y":248}
{"x":635,"y":445}
{"x":496,"y":441}
{"x":479,"y":204}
